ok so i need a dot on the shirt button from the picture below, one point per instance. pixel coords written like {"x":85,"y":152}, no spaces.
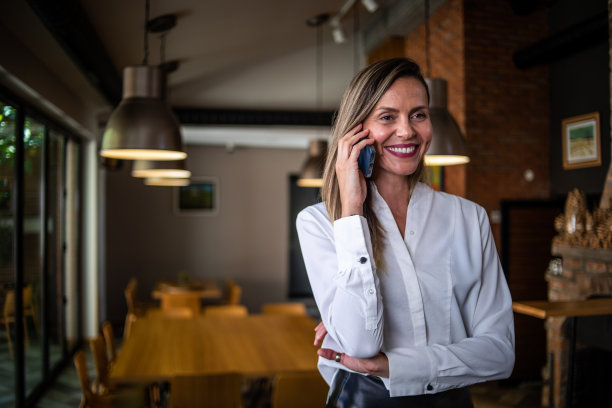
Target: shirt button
{"x":429,"y":387}
{"x":341,"y":272}
{"x":371,"y":291}
{"x":411,"y":232}
{"x":363,"y":260}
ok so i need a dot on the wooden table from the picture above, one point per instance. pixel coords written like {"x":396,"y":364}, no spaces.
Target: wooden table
{"x":187,"y":294}
{"x":571,"y":309}
{"x":256,"y":345}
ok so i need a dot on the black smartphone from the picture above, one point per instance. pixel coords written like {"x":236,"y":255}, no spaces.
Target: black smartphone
{"x":366,"y":160}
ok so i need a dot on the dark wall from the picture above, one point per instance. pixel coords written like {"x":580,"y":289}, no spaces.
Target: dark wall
{"x":579,"y":84}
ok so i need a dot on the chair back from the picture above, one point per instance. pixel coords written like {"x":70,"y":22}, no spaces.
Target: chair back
{"x":9,"y":305}
{"x":130,"y":318}
{"x":130,"y":297}
{"x":87,"y":396}
{"x":185,"y":299}
{"x":98,"y":350}
{"x":294,"y":308}
{"x":226,"y":310}
{"x":299,"y":390}
{"x":214,"y":391}
{"x":171,"y":313}
{"x":109,"y":338}
{"x":233,"y":292}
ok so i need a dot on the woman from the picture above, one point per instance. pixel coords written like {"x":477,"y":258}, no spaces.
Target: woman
{"x":412,"y":296}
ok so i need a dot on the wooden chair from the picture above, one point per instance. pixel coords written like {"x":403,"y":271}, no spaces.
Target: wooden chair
{"x":29,"y":309}
{"x":226,"y":310}
{"x":171,"y":312}
{"x":215,"y":391}
{"x":8,"y":316}
{"x":98,"y":350}
{"x":299,"y":390}
{"x":233,"y":292}
{"x":181,"y":300}
{"x":130,"y":318}
{"x":295,"y":308}
{"x":109,"y":338}
{"x":115,"y":400}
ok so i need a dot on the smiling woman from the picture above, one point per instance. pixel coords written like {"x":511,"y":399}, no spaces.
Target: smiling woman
{"x":407,"y":280}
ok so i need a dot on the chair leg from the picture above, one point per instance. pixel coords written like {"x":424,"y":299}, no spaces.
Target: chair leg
{"x":7,"y":326}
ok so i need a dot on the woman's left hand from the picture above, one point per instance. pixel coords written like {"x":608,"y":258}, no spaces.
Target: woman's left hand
{"x":377,"y":365}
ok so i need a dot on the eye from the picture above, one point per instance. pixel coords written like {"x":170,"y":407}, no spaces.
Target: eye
{"x":419,"y":116}
{"x":386,"y":117}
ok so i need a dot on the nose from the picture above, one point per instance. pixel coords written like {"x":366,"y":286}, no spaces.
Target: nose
{"x":404,"y":128}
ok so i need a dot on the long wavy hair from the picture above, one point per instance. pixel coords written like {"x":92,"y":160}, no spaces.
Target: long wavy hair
{"x":360,"y":98}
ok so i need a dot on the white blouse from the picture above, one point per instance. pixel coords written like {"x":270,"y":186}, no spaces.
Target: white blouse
{"x":439,"y":307}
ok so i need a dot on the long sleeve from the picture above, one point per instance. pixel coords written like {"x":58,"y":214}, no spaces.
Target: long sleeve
{"x":341,"y":271}
{"x":481,"y":347}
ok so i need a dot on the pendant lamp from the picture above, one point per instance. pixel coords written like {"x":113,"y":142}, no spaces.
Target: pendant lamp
{"x":311,"y":174}
{"x":448,"y":145}
{"x":165,"y":169}
{"x":166,"y":182}
{"x":143,"y":126}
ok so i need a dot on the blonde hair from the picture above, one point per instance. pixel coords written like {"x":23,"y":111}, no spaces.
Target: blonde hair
{"x":360,"y":98}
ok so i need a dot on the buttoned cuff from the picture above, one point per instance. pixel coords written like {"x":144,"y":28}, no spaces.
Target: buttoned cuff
{"x":411,"y":372}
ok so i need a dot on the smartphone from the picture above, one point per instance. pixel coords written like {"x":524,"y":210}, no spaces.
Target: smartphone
{"x":366,"y":160}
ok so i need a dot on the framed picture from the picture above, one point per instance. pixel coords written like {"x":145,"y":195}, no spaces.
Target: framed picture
{"x":200,"y":197}
{"x":581,"y":146}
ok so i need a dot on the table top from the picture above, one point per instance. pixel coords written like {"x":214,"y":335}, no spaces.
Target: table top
{"x":203,"y":288}
{"x":255,"y":345}
{"x":571,"y":308}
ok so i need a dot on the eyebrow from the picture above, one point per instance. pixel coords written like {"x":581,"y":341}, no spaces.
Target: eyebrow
{"x":388,"y":108}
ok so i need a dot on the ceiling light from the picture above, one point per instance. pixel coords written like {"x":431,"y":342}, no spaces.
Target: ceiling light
{"x":448,"y":145}
{"x":337,"y":32}
{"x":311,"y":174}
{"x":370,"y":5}
{"x":166,"y":182}
{"x":143,"y":125}
{"x":164,"y":169}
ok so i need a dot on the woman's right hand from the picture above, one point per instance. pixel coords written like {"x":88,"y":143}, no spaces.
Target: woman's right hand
{"x":351,"y":182}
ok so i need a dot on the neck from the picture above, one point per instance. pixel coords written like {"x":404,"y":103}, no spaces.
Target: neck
{"x":395,"y":190}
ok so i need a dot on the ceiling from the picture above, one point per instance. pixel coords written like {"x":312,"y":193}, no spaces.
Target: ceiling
{"x":232,"y":55}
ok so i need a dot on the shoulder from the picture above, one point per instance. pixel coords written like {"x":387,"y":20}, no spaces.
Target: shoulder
{"x":316,"y":213}
{"x":450,"y":202}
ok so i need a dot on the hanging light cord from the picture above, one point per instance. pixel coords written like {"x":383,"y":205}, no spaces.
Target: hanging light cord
{"x":427,"y":61}
{"x":319,"y":66}
{"x":145,"y":60}
{"x":355,"y":38}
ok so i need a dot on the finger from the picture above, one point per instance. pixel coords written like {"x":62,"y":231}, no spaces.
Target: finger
{"x":319,"y":336}
{"x":328,"y":354}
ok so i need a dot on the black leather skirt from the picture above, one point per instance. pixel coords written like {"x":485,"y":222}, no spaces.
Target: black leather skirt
{"x":350,"y":390}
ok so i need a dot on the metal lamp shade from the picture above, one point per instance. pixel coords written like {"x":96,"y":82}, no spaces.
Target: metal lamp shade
{"x":142,"y":126}
{"x":448,"y":145}
{"x":163,"y":169}
{"x":311,"y":174}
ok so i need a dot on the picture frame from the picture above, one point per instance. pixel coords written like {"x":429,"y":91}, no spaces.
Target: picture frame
{"x":200,"y":197}
{"x":581,"y":141}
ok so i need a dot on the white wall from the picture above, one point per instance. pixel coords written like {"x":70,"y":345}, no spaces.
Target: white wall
{"x":247,"y":240}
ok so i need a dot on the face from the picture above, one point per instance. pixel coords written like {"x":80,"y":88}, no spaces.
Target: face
{"x":401,"y":128}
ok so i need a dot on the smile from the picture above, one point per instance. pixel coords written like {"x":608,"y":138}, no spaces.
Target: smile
{"x":402,"y":150}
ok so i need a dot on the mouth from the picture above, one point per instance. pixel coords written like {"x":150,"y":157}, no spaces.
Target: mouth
{"x":404,"y":150}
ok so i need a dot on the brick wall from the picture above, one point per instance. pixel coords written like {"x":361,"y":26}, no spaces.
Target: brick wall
{"x":585,"y":272}
{"x":507,"y":117}
{"x":503,"y":111}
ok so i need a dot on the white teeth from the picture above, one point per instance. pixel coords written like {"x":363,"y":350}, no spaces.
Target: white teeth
{"x":403,"y":150}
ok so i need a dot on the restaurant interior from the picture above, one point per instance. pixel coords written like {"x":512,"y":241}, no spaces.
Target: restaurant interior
{"x":122,"y":286}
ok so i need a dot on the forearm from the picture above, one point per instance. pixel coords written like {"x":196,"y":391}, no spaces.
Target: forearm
{"x":344,"y":283}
